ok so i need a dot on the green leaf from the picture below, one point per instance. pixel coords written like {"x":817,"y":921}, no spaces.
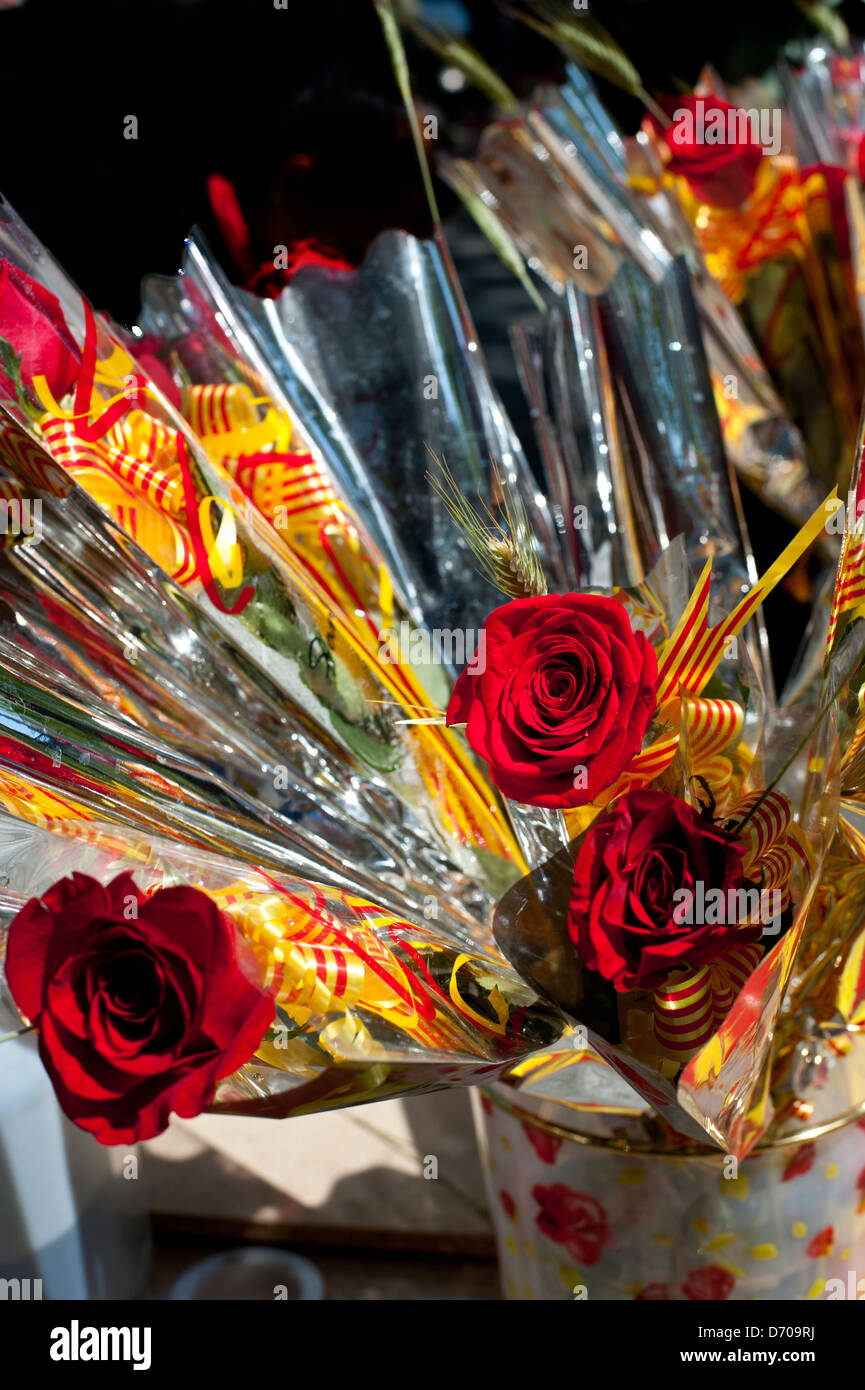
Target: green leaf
{"x":399,"y":63}
{"x":10,"y":360}
{"x":10,"y":363}
{"x":369,"y":748}
{"x":714,"y":689}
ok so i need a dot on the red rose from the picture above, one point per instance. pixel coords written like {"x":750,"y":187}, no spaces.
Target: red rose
{"x":653,"y":1291}
{"x":721,"y":172}
{"x":710,"y":1283}
{"x":32,"y":323}
{"x":271,"y":278}
{"x":141,"y":1003}
{"x":627,"y":892}
{"x":573,"y":1220}
{"x":562,"y":699}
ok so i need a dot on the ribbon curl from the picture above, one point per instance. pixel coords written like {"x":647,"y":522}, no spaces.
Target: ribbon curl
{"x":692,"y":1003}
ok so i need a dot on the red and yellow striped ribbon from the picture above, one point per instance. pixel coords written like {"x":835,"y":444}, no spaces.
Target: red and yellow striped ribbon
{"x":139,"y":452}
{"x":692,"y":1004}
{"x":708,"y":728}
{"x":220,"y":409}
{"x":693,"y":652}
{"x":124,"y":466}
{"x":319,"y":965}
{"x":288,"y":488}
{"x":849,"y":592}
{"x":143,"y":452}
{"x":350,"y":581}
{"x":776,"y":846}
{"x":228,"y":420}
{"x":737,"y":241}
{"x":686,"y":663}
{"x":29,"y":463}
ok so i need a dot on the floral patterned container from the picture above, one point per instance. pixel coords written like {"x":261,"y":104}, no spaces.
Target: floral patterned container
{"x":581,"y":1216}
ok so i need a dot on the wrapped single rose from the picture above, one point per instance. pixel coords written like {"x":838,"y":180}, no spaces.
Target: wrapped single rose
{"x":142,"y":1003}
{"x":38,"y":341}
{"x":774,"y":236}
{"x":561,"y":700}
{"x":636,"y":871}
{"x":711,"y":145}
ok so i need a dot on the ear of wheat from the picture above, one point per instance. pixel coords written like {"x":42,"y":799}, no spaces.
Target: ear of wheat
{"x":501,"y":540}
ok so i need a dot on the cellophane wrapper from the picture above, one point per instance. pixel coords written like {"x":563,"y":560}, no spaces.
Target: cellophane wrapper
{"x":580,"y":200}
{"x":247,"y":595}
{"x":368,"y":1004}
{"x":725,"y":1089}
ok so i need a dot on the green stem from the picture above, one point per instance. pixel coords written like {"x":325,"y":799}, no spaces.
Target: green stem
{"x":15,"y":1033}
{"x":396,"y":49}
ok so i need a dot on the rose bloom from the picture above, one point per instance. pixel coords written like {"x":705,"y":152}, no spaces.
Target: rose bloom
{"x":721,"y":173}
{"x":271,"y":279}
{"x":629,"y":867}
{"x":563,"y":701}
{"x":32,"y":323}
{"x":141,"y":1003}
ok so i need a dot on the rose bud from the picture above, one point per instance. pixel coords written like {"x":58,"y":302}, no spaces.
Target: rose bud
{"x":721,"y":172}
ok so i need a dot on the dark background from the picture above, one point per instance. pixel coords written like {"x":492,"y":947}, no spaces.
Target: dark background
{"x":238,"y":87}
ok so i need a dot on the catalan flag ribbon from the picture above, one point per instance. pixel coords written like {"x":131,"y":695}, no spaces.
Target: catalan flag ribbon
{"x":849,"y":593}
{"x":692,"y":1004}
{"x":692,"y":654}
{"x":686,"y":663}
{"x":325,"y":953}
{"x":736,"y":241}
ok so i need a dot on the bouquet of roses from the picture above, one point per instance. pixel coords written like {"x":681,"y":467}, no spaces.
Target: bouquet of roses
{"x":673,"y":823}
{"x":141,"y":695}
{"x":667,"y":925}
